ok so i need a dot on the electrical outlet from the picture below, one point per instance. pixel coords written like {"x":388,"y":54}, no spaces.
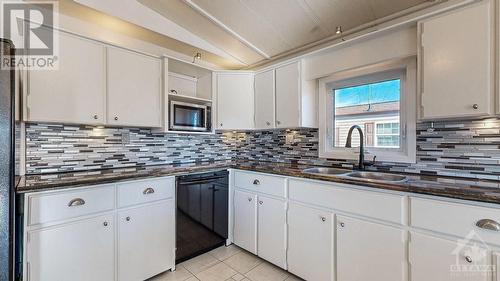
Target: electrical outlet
{"x":289,"y":138}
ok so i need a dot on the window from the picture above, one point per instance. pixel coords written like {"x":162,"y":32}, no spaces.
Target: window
{"x":380,"y":99}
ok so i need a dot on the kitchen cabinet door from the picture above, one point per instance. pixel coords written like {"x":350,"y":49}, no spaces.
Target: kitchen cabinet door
{"x":271,"y":238}
{"x":146,"y":241}
{"x":77,"y":251}
{"x":264,"y":100}
{"x":433,"y":258}
{"x":245,"y":221}
{"x":369,"y":251}
{"x":76,"y":91}
{"x":457,"y":63}
{"x":288,"y":96}
{"x":310,"y":243}
{"x":134,"y":89}
{"x":235,"y":101}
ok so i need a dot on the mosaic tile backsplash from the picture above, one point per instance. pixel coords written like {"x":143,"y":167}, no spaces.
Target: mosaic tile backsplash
{"x":469,"y":149}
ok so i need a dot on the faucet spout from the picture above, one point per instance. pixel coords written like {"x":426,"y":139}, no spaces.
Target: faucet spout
{"x":361,"y":164}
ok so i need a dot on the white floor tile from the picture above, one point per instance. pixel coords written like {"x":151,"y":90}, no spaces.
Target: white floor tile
{"x":218,"y":272}
{"x":243,"y":262}
{"x":267,"y":272}
{"x":223,"y":253}
{"x":200,"y":263}
{"x":238,"y":277}
{"x":180,"y":274}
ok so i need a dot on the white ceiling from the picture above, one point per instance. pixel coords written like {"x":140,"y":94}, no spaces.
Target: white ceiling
{"x":250,"y":31}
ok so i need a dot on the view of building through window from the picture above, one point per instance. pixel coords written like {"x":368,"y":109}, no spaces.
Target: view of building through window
{"x":375,"y":107}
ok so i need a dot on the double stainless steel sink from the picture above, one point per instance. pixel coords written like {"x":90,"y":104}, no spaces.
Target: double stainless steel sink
{"x":375,"y":177}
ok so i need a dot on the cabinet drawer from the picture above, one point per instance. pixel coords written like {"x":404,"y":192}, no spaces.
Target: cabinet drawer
{"x":260,"y":183}
{"x":453,"y":218}
{"x":388,"y":207}
{"x":68,"y":204}
{"x":138,"y":192}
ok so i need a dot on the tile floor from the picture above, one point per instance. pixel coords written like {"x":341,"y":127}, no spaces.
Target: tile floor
{"x":226,"y":263}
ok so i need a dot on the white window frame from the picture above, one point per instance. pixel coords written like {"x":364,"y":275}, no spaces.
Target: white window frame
{"x":403,"y":69}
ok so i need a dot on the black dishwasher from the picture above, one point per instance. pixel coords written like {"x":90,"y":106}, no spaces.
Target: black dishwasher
{"x":202,"y":213}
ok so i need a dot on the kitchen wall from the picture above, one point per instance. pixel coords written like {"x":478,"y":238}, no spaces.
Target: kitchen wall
{"x":468,"y":149}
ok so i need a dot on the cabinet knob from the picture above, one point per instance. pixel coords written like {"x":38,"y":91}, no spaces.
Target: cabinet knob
{"x":221,"y":124}
{"x":323,"y":219}
{"x":105,"y":223}
{"x":278,"y":122}
{"x":127,"y":218}
{"x":260,"y":202}
{"x":475,"y":106}
{"x":468,"y":259}
{"x":268,"y":123}
{"x":116,"y":118}
{"x":249,"y":199}
{"x":96,"y":117}
{"x":256,"y":182}
{"x":342,"y":224}
{"x":488,"y":224}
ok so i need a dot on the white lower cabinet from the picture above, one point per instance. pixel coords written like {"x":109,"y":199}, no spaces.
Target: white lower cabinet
{"x":271,"y":226}
{"x":369,"y":251}
{"x":433,"y":258}
{"x":78,"y":251}
{"x":145,"y":238}
{"x":310,"y":243}
{"x":245,"y":220}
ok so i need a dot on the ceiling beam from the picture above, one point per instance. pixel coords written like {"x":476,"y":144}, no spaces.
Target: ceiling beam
{"x":226,"y":28}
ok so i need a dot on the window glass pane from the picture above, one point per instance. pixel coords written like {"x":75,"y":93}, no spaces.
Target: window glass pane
{"x":375,"y":108}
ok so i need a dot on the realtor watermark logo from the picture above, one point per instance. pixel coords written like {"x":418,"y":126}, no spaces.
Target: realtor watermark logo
{"x":472,"y":257}
{"x":30,"y":26}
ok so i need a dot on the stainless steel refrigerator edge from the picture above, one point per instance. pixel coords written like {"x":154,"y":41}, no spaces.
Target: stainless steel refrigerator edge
{"x":7,"y":164}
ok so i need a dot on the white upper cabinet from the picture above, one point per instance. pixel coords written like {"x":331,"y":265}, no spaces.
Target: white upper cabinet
{"x":134,"y":89}
{"x":369,"y":251}
{"x":235,"y":100}
{"x":456,"y":60}
{"x":76,"y":91}
{"x":288,"y":92}
{"x":264,"y":100}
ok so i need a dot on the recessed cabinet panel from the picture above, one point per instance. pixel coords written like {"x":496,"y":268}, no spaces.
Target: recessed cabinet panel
{"x":457,"y":63}
{"x":310,"y":243}
{"x":433,"y":258}
{"x":134,"y":89}
{"x":235,"y":101}
{"x":264,"y":100}
{"x":80,"y":251}
{"x":271,"y":239}
{"x":76,"y":91}
{"x":146,"y":241}
{"x":288,"y":96}
{"x":245,"y":221}
{"x":369,"y":251}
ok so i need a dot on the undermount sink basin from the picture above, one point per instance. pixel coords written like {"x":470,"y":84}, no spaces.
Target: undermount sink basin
{"x":376,"y":177}
{"x":326,"y":171}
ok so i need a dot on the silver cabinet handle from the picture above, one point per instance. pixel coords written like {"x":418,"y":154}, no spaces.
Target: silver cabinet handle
{"x":116,"y":118}
{"x":105,"y":223}
{"x":475,"y":106}
{"x":342,"y":224}
{"x":127,"y":218}
{"x":256,"y":182}
{"x":468,"y":259}
{"x":221,"y":124}
{"x":249,"y":199}
{"x":268,"y":123}
{"x":488,"y":224}
{"x":260,"y":202}
{"x":323,"y":219}
{"x":76,"y":202}
{"x":96,"y":117}
{"x":148,"y":190}
{"x":278,"y":122}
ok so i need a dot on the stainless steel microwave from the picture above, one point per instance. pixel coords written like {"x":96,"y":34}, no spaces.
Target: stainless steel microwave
{"x":186,"y":116}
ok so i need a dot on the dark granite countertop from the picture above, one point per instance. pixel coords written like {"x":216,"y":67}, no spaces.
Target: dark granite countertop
{"x":459,"y":188}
